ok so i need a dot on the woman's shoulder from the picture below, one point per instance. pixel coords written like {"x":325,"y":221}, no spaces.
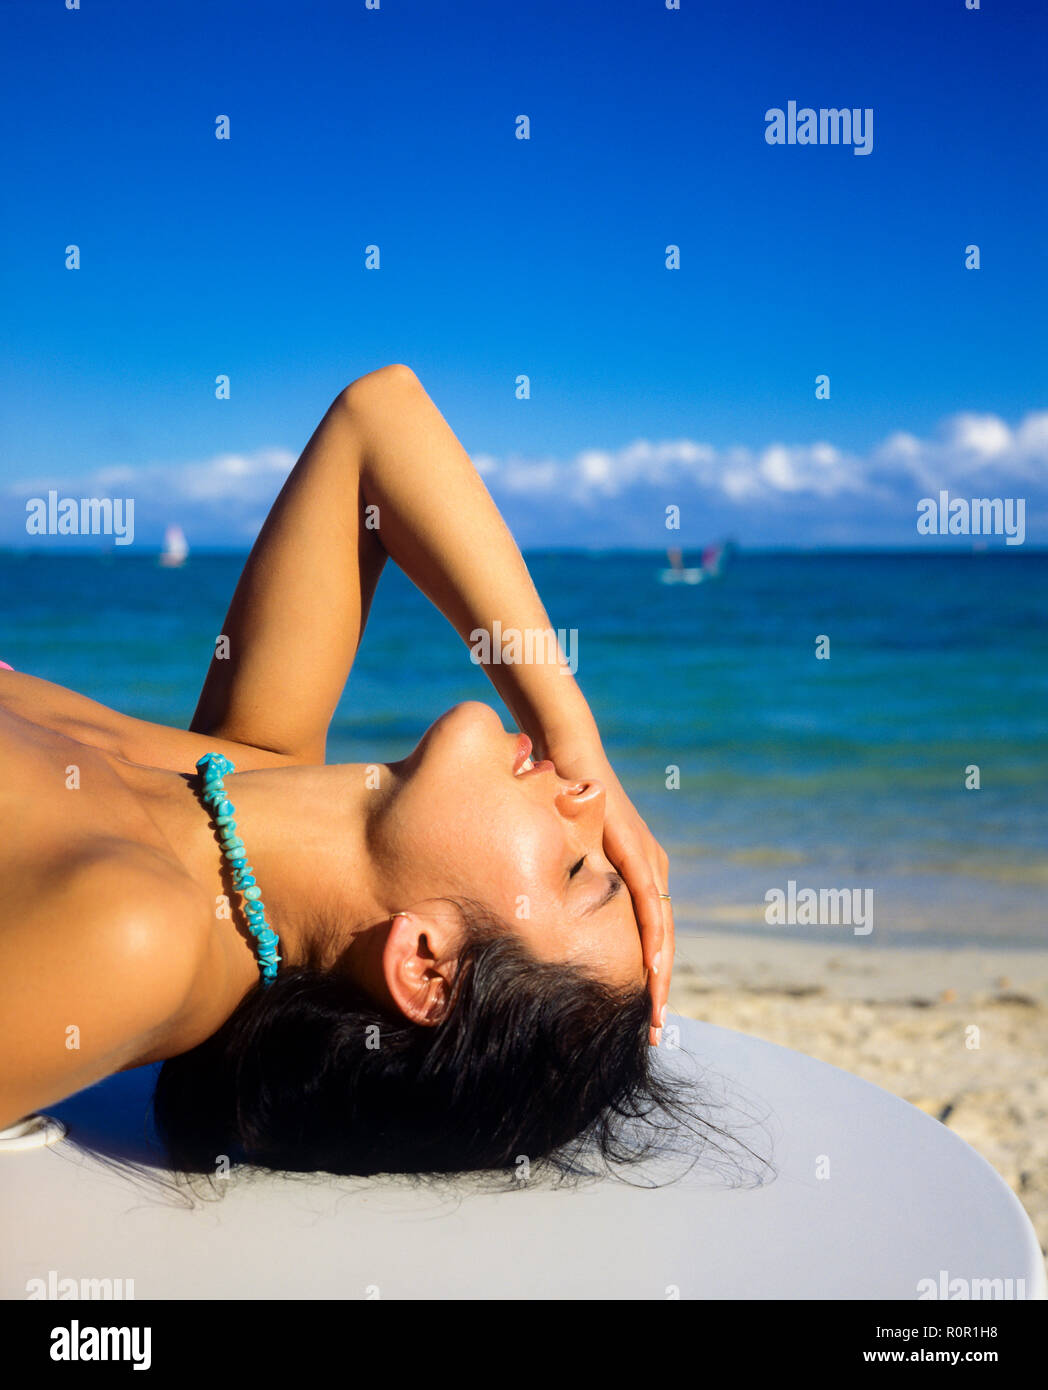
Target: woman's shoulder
{"x":77,"y":716}
{"x":128,"y":916}
{"x":97,"y":974}
{"x":135,"y":900}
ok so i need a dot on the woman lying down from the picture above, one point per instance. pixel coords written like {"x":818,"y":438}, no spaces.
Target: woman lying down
{"x":431,"y":965}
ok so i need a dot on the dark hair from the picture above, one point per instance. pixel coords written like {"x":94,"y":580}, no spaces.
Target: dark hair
{"x":532,"y":1058}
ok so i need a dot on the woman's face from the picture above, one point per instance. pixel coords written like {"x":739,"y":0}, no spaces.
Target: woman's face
{"x":460,"y":822}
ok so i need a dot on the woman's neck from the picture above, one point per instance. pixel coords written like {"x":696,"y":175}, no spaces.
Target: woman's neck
{"x":305,"y":833}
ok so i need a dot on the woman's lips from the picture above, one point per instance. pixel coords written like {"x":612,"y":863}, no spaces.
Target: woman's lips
{"x":523,"y":753}
{"x":520,"y":768}
{"x":544,"y":766}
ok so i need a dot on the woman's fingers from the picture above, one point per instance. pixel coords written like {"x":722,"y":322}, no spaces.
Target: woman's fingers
{"x":666,"y":963}
{"x":652,"y":918}
{"x":659,"y":984}
{"x":655,"y":915}
{"x":644,"y":866}
{"x":636,"y":873}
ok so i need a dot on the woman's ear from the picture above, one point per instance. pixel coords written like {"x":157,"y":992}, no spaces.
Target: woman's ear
{"x":419,"y":962}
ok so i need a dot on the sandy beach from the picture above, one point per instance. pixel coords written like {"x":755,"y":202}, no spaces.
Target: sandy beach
{"x":900,"y":1019}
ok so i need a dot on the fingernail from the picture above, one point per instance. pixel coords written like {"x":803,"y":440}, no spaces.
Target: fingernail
{"x":662,"y":1016}
{"x":655,"y":963}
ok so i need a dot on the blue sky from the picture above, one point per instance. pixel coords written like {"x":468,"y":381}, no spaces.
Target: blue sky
{"x":546,"y":257}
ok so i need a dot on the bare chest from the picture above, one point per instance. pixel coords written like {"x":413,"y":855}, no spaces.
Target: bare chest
{"x":59,"y":798}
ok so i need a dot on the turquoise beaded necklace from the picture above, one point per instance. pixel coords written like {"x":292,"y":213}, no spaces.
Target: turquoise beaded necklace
{"x":213,"y":767}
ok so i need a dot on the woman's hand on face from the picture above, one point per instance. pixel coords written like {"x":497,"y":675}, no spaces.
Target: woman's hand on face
{"x":639,"y":858}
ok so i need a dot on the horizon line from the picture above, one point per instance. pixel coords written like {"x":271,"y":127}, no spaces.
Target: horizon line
{"x":942,"y":546}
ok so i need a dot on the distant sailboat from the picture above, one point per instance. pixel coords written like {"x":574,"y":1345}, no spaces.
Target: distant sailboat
{"x":677,"y":574}
{"x":711,"y":566}
{"x":713,"y":558}
{"x":175,"y":549}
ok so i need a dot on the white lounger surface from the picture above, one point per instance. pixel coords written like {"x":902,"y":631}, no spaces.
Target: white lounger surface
{"x":904,"y":1201}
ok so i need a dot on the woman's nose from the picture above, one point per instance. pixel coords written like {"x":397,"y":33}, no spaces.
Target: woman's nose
{"x":582,"y":800}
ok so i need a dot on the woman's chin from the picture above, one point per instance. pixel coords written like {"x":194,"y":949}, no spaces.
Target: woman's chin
{"x":472,"y":719}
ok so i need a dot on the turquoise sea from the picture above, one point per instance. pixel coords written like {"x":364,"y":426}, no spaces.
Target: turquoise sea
{"x":847,"y":772}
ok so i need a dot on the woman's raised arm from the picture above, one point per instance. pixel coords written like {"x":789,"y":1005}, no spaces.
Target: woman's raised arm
{"x":301,"y":604}
{"x":384,"y":475}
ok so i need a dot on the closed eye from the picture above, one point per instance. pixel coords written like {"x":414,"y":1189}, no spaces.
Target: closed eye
{"x":577,"y":867}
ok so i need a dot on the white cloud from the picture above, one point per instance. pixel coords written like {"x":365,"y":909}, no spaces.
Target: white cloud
{"x":901,"y":445}
{"x":986,"y":436}
{"x":1032,"y":435}
{"x":232,"y":491}
{"x":236,"y":478}
{"x":966,"y":448}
